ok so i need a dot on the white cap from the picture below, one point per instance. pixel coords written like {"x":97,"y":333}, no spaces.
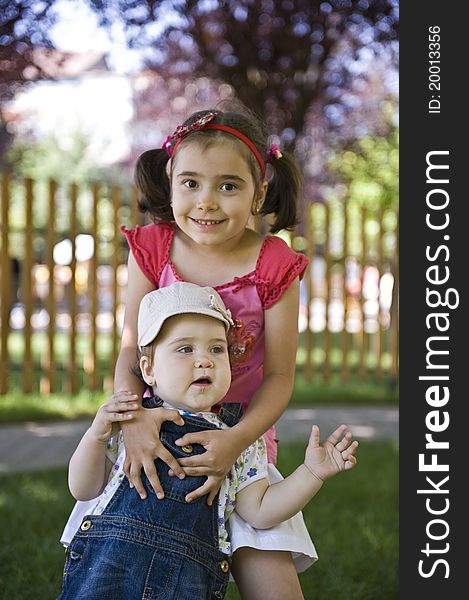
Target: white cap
{"x":178,"y":299}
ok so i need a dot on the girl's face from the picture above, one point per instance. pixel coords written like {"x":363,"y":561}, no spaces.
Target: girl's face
{"x":213,"y":193}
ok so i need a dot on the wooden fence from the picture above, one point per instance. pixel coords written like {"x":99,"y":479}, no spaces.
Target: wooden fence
{"x":63,"y":278}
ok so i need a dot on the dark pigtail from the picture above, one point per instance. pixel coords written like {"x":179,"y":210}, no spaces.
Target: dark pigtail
{"x":153,"y":185}
{"x":283,"y":193}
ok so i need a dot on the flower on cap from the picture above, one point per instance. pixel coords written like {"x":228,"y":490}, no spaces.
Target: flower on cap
{"x":215,"y":304}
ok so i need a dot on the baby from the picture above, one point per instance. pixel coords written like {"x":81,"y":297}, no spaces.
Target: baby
{"x":129,"y":548}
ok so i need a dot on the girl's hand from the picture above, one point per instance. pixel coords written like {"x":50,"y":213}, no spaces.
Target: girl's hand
{"x":119,"y":408}
{"x":143,"y":446}
{"x":222,"y":449}
{"x":336,"y":455}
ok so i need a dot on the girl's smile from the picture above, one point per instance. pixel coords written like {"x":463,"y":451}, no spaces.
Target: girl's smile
{"x":207,"y":223}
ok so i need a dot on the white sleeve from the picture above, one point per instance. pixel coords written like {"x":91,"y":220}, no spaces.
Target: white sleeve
{"x":251,"y":465}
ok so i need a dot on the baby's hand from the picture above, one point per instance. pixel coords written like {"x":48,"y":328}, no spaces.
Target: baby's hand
{"x":337,"y":453}
{"x":113,"y":412}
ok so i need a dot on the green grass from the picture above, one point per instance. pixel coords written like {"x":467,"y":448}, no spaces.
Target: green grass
{"x":39,"y":345}
{"x":17,"y":407}
{"x":353,"y":522}
{"x":336,"y":391}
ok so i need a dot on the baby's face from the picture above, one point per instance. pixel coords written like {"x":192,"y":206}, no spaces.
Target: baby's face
{"x":191,"y":363}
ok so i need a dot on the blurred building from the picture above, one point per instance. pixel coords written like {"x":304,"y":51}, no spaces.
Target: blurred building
{"x":84,"y":96}
{"x":120,"y":115}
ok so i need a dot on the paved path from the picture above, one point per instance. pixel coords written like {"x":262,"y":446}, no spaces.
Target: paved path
{"x":33,"y":445}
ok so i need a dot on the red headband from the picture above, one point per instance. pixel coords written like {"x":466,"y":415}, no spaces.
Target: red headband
{"x":237,"y":134}
{"x":203,"y":122}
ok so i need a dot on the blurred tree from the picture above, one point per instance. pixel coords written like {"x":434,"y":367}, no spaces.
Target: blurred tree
{"x":367,"y":107}
{"x":65,"y":160}
{"x":23,"y":27}
{"x":315,"y":70}
{"x":41,"y":160}
{"x":52,"y":157}
{"x":280,"y":56}
{"x":370,"y":168}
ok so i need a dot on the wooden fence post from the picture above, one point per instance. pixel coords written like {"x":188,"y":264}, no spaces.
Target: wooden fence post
{"x":327,"y":299}
{"x":116,"y":200}
{"x":94,"y":263}
{"x":26,"y":289}
{"x":380,"y":331}
{"x":50,"y":383}
{"x":344,"y":371}
{"x":135,"y":214}
{"x":395,"y":311}
{"x":309,"y":363}
{"x":361,"y":334}
{"x":5,"y":288}
{"x":72,"y":363}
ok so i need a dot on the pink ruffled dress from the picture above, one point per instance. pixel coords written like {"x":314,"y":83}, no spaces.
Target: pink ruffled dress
{"x":247,"y":297}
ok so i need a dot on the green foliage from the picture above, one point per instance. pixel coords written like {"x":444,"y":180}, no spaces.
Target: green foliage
{"x":371,"y":170}
{"x":52,"y":157}
{"x":66,"y":162}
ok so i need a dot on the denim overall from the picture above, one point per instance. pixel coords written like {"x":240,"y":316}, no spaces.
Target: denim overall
{"x":152,"y":549}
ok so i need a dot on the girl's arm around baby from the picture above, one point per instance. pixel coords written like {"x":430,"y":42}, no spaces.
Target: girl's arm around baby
{"x":141,"y":434}
{"x":88,"y":469}
{"x":263,"y":505}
